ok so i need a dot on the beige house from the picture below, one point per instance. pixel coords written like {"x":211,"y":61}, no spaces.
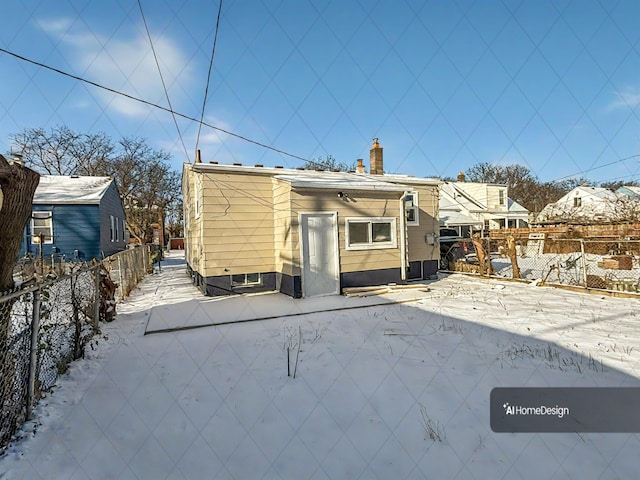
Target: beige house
{"x":307,"y":233}
{"x":486,"y":204}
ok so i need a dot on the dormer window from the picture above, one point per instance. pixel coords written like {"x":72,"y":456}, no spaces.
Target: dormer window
{"x":501,"y":197}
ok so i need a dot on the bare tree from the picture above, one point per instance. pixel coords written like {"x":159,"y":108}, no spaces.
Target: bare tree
{"x":615,"y":184}
{"x":523,"y":186}
{"x":329,"y":163}
{"x":146,"y":182}
{"x":623,"y":209}
{"x":175,"y":219}
{"x":18,"y":184}
{"x":61,"y":151}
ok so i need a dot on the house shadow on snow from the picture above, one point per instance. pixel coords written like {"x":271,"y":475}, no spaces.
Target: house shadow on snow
{"x":414,"y":379}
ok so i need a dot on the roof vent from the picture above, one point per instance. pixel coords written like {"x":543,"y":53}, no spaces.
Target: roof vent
{"x":279,"y":166}
{"x":259,"y":165}
{"x":237,"y":164}
{"x":213,"y":163}
{"x":75,"y":176}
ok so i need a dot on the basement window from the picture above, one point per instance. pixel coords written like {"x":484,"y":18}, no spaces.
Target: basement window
{"x":364,"y":233}
{"x":246,"y":280}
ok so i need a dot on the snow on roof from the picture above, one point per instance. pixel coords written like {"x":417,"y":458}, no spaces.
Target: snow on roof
{"x":457,"y":197}
{"x":515,"y":207}
{"x":338,"y":180}
{"x":456,"y":217}
{"x":58,"y":189}
{"x":629,"y":188}
{"x":319,"y":177}
{"x":409,"y":180}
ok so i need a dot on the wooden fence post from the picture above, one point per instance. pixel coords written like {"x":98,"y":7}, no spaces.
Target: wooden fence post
{"x":584,"y":264}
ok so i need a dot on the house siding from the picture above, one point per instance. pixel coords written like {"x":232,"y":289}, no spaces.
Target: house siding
{"x":249,"y":224}
{"x":361,"y":205}
{"x":110,"y":204}
{"x":75,"y":227}
{"x":236,"y":225}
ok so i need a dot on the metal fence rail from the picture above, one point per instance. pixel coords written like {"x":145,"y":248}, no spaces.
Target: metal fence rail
{"x":46,"y":326}
{"x":607,"y":264}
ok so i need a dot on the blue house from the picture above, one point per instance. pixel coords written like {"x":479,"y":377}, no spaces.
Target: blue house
{"x":76,"y":216}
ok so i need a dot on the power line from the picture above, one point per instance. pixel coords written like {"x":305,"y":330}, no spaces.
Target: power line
{"x":206,"y":90}
{"x":620,"y":160}
{"x":155,"y":105}
{"x":164,"y":86}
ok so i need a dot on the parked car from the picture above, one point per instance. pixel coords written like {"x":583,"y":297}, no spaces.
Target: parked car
{"x":452,"y":247}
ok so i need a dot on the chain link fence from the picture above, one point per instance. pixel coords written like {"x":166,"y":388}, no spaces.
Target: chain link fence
{"x":607,"y":264}
{"x":128,"y":267}
{"x":46,"y":326}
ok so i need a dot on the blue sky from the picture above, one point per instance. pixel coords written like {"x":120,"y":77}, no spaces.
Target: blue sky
{"x":444,"y":84}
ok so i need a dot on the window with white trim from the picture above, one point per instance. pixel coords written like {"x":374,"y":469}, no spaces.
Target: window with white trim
{"x":364,"y":233}
{"x":112,"y":226}
{"x":411,"y":208}
{"x":42,"y":227}
{"x":124,"y":229}
{"x":246,"y":280}
{"x":501,"y":197}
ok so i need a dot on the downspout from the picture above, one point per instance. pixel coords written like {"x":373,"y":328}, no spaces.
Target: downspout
{"x":403,"y":241}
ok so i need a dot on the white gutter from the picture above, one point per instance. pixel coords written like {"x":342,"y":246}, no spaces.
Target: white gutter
{"x":403,"y":242}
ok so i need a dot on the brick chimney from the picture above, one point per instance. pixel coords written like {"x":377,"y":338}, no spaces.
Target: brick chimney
{"x":360,"y":167}
{"x":461,"y":177}
{"x":375,"y":159}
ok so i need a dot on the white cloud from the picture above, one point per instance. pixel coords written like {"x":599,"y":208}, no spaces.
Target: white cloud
{"x":629,"y":98}
{"x":124,"y":64}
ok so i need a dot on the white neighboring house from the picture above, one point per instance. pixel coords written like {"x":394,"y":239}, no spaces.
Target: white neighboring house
{"x":473,"y":206}
{"x":587,"y":205}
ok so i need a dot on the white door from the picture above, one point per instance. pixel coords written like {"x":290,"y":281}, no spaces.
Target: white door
{"x":319,"y":254}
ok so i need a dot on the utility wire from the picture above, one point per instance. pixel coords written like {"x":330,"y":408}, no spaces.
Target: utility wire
{"x":598,"y":167}
{"x":155,"y":105}
{"x":206,"y":90}
{"x":164,"y":86}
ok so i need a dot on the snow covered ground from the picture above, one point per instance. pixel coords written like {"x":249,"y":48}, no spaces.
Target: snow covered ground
{"x":389,"y":391}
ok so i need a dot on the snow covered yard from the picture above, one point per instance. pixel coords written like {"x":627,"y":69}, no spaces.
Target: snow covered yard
{"x":388,"y":391}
